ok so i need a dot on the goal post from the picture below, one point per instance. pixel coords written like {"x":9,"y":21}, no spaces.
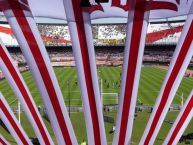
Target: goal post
{"x":109,"y":98}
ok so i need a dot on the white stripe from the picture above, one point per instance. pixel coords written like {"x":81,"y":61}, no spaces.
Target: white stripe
{"x":79,"y":63}
{"x":80,"y":69}
{"x":124,"y":2}
{"x":136,"y":78}
{"x":185,"y":124}
{"x":82,"y":80}
{"x":123,"y":77}
{"x":8,"y":124}
{"x":175,"y":85}
{"x":38,"y":79}
{"x":91,"y":52}
{"x":4,"y":140}
{"x":183,"y":128}
{"x":16,"y":90}
{"x":92,"y":2}
{"x":69,"y":11}
{"x":54,"y":79}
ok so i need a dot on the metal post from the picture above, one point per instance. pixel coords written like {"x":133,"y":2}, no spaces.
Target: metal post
{"x":182,"y":100}
{"x":68,"y":83}
{"x":19,"y":112}
{"x":101,"y":92}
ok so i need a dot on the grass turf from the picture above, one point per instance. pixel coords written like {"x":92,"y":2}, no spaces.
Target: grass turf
{"x":80,"y":130}
{"x":150,"y":83}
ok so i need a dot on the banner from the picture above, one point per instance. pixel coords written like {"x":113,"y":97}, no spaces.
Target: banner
{"x":12,"y":123}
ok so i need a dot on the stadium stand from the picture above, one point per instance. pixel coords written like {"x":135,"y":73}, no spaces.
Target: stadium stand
{"x":109,"y":39}
{"x":104,"y":34}
{"x":105,"y":55}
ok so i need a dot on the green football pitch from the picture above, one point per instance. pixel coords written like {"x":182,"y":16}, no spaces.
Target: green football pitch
{"x":150,"y":83}
{"x":78,"y":122}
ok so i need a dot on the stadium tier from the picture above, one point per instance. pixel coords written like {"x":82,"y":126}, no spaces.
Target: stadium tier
{"x":105,"y":56}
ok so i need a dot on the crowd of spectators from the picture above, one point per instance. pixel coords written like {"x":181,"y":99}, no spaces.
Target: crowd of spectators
{"x":108,"y":54}
{"x":112,"y":31}
{"x":54,"y":31}
{"x":53,"y":34}
{"x":104,"y":56}
{"x":111,"y":34}
{"x":103,"y":34}
{"x":158,"y":56}
{"x":18,"y":57}
{"x":108,"y":36}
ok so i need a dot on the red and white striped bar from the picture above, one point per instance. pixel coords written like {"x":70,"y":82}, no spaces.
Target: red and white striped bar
{"x":27,"y":34}
{"x":3,"y":141}
{"x":19,"y":87}
{"x":180,"y":61}
{"x":181,"y":122}
{"x":82,"y":43}
{"x":134,"y":49}
{"x":12,"y":123}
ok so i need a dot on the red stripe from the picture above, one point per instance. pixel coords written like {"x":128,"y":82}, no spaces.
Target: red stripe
{"x":6,"y":30}
{"x":87,"y":70}
{"x":171,"y":80}
{"x":181,"y":121}
{"x":4,"y":5}
{"x":161,"y":5}
{"x":157,"y":5}
{"x":152,"y":5}
{"x":13,"y":123}
{"x":117,"y":3}
{"x":132,"y":62}
{"x":35,"y":50}
{"x":2,"y":141}
{"x":24,"y":93}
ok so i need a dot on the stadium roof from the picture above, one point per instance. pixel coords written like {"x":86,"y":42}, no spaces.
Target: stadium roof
{"x":55,"y":9}
{"x":53,"y":12}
